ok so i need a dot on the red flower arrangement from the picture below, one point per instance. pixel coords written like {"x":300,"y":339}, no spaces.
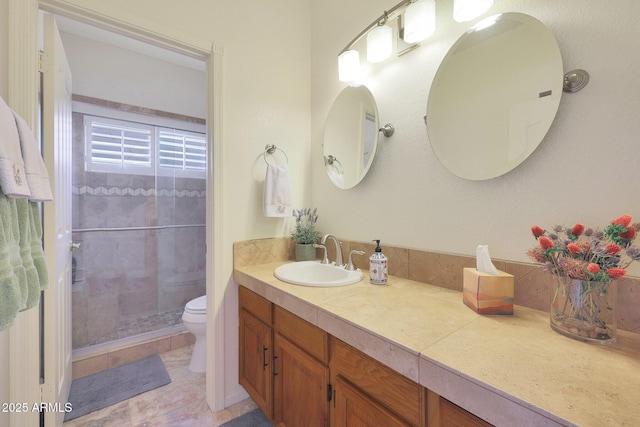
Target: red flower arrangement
{"x":587,"y":254}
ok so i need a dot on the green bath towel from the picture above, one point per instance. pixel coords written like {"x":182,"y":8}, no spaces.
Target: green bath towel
{"x":25,"y":217}
{"x":13,"y":239}
{"x":9,"y":288}
{"x":37,"y":253}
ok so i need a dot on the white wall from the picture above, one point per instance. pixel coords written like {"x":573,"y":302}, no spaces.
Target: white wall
{"x":104,"y":71}
{"x":586,"y":170}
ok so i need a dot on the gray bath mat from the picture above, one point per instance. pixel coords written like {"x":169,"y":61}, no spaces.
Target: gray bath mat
{"x":253,"y":418}
{"x":114,"y":385}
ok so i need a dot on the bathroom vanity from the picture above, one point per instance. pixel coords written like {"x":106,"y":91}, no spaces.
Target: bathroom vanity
{"x":413,"y":354}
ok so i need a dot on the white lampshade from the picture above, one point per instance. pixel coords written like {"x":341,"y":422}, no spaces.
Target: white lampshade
{"x":419,"y":21}
{"x":379,"y":43}
{"x":466,"y":10}
{"x":349,"y":66}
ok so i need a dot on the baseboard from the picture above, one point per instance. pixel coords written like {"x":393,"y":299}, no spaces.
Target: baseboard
{"x":237,"y":395}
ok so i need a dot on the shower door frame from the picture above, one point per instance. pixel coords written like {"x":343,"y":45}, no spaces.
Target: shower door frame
{"x":211,"y":53}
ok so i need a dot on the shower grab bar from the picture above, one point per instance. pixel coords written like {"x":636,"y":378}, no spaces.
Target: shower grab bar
{"x":151,"y":227}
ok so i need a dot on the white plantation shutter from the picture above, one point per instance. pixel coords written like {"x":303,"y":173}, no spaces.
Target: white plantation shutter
{"x":124,"y":146}
{"x":182,"y":150}
{"x":135,"y":148}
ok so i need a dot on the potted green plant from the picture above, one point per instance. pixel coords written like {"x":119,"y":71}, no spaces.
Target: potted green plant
{"x":304,"y":234}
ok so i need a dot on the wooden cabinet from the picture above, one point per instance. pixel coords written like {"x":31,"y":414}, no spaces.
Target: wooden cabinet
{"x":300,"y":387}
{"x":283,"y":363}
{"x":354,"y":408}
{"x":443,"y":413}
{"x":256,"y":352}
{"x":362,"y":384}
{"x":301,"y":376}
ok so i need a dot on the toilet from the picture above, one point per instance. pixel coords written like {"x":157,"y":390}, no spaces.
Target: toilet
{"x":194,"y":319}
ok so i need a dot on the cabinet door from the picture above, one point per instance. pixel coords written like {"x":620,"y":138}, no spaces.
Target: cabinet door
{"x":443,"y":413}
{"x":380,"y":383}
{"x":352,"y":408}
{"x":256,"y":361}
{"x":300,"y":384}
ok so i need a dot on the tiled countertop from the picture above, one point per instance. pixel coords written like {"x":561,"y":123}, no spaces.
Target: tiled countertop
{"x":509,"y":370}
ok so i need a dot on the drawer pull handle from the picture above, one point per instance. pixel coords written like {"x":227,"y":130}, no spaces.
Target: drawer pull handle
{"x":274,"y":365}
{"x":264,"y":357}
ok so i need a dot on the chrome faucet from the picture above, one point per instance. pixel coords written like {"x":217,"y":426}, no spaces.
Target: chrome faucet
{"x":351,"y":266}
{"x":339,"y":261}
{"x":325,"y":260}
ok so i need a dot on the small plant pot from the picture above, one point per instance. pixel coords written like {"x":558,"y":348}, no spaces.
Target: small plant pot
{"x":305,"y":252}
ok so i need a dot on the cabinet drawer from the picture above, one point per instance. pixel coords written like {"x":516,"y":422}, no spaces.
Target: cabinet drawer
{"x":397,"y":393}
{"x":255,"y":304}
{"x":308,"y":337}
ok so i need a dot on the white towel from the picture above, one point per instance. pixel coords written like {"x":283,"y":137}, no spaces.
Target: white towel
{"x":277,"y":192}
{"x":13,"y":180}
{"x":35,"y":169}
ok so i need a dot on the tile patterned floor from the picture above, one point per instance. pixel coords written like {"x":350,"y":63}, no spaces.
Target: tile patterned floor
{"x":182,"y":403}
{"x":140,"y":325}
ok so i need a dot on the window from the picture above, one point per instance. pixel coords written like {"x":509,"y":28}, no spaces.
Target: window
{"x":182,"y":150}
{"x":138,"y":149}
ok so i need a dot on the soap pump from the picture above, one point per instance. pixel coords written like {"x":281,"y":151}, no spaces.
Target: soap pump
{"x":378,"y":266}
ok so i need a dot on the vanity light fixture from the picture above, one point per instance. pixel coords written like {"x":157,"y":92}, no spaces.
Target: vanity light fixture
{"x":349,"y":66}
{"x":467,"y":10}
{"x":379,"y":43}
{"x":419,"y":23}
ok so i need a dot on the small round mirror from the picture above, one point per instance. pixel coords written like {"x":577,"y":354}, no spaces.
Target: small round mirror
{"x":494,"y":96}
{"x":350,"y":136}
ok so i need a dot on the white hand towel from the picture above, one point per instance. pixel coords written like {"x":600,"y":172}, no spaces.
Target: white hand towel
{"x":13,"y":180}
{"x":277,"y":192}
{"x":35,"y":169}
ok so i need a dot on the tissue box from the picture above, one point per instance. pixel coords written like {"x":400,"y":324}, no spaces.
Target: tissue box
{"x":488,"y":294}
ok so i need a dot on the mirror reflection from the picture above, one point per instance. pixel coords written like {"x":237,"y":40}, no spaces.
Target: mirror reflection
{"x":494,"y":96}
{"x":350,"y":136}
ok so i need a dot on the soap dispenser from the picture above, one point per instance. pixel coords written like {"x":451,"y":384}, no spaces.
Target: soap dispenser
{"x":378,"y":266}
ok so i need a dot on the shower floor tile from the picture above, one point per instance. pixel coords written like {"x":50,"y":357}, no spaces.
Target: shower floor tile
{"x":131,"y":327}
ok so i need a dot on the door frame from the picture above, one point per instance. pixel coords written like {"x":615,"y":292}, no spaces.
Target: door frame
{"x":23,"y":97}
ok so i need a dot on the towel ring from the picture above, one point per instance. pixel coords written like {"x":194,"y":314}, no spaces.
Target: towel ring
{"x":270,"y":149}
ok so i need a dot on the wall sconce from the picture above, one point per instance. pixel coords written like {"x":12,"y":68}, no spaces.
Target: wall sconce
{"x":418,"y":24}
{"x":419,"y":21}
{"x":349,"y":66}
{"x":379,"y":43}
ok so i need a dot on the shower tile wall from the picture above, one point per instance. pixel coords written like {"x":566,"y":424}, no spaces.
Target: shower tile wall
{"x":129,"y":282}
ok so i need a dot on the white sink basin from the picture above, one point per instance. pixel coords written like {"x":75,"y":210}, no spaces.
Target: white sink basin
{"x":312,"y":273}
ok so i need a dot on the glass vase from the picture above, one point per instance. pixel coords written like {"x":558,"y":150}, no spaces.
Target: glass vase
{"x":584,"y":310}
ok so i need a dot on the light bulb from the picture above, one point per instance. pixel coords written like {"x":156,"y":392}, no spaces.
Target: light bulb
{"x":349,"y":66}
{"x":379,"y":43}
{"x":419,"y":21}
{"x":466,"y":10}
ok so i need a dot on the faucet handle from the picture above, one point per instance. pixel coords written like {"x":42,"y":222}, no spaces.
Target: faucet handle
{"x":350,"y":266}
{"x":325,"y":259}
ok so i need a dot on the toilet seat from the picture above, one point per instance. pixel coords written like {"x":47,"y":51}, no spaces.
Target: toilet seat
{"x":197,"y":305}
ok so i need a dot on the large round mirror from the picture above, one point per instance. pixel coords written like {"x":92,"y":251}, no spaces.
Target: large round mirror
{"x":494,"y":96}
{"x":350,"y":136}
